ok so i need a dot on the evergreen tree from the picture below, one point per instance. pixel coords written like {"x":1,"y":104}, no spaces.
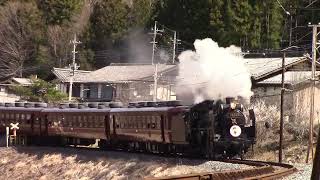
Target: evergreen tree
{"x":109,"y":22}
{"x":57,"y":12}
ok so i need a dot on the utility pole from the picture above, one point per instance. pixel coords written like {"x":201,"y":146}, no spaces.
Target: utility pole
{"x":155,"y":86}
{"x":156,"y":31}
{"x":175,"y":44}
{"x":313,"y":70}
{"x":283,"y":89}
{"x":316,"y":162}
{"x":74,"y":65}
{"x":281,"y":107}
{"x":290,"y":31}
{"x":155,"y":76}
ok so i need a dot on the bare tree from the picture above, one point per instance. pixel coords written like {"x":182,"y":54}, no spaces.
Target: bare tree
{"x":16,"y":39}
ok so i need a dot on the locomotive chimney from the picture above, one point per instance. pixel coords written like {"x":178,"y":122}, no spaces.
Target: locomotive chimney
{"x":229,"y":100}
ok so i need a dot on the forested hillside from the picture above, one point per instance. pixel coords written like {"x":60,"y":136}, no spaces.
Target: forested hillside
{"x":35,"y":34}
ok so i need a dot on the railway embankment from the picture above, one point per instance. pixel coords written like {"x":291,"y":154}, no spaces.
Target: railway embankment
{"x":78,"y":163}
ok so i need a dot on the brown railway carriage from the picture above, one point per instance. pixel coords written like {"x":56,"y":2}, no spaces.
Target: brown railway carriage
{"x":159,"y":125}
{"x":77,"y":123}
{"x":30,"y":121}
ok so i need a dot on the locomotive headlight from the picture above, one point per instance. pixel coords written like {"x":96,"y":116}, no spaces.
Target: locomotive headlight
{"x":235,"y":131}
{"x":233,"y":105}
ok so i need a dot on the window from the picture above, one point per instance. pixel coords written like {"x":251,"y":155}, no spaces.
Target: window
{"x":85,"y":121}
{"x":101,"y":122}
{"x":11,"y":116}
{"x":64,"y":120}
{"x":90,"y":121}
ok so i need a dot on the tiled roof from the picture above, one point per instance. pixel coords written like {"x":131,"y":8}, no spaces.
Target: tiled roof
{"x":63,"y":74}
{"x":114,"y":73}
{"x":291,"y":77}
{"x":124,"y":73}
{"x":23,"y":81}
{"x":261,"y":66}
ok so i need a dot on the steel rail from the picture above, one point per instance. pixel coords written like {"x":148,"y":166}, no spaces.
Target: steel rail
{"x":261,"y":170}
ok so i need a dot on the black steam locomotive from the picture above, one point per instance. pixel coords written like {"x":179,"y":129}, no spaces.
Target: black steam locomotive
{"x":208,"y":129}
{"x":220,"y":128}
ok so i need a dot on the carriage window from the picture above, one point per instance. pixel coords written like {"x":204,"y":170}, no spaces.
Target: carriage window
{"x":80,"y":121}
{"x":148,"y":123}
{"x":91,"y":121}
{"x":12,"y":116}
{"x":64,"y":120}
{"x":74,"y":121}
{"x":85,"y":121}
{"x":101,"y":122}
{"x":37,"y":121}
{"x":144,"y":126}
{"x":125,"y":123}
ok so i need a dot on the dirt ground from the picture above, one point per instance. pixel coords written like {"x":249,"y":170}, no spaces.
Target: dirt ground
{"x":74,"y":163}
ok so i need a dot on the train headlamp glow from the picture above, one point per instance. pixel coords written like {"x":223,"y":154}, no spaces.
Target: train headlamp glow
{"x":233,"y":105}
{"x":235,"y":131}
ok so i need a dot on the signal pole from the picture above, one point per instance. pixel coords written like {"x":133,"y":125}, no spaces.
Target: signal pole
{"x":313,"y":70}
{"x":74,"y":65}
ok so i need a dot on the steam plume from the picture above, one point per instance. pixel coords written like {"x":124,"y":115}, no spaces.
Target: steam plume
{"x":212,"y":72}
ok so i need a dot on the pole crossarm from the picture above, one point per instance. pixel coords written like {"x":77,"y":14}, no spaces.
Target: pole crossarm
{"x":73,"y":67}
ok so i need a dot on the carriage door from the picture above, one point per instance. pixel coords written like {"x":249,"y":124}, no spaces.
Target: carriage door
{"x":44,"y":125}
{"x":107,"y":126}
{"x":162,"y":127}
{"x":114,"y":125}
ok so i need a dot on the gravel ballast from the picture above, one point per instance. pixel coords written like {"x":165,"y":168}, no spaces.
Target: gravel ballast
{"x":304,"y":172}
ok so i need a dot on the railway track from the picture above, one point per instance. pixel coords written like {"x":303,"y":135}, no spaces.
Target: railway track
{"x":260,"y":170}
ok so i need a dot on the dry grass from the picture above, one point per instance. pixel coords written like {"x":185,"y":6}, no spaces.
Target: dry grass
{"x":74,"y":163}
{"x":295,"y":134}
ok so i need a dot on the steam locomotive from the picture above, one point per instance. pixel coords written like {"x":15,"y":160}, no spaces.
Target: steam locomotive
{"x":207,"y":129}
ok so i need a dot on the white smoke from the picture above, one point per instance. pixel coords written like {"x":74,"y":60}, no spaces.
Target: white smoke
{"x":212,"y":72}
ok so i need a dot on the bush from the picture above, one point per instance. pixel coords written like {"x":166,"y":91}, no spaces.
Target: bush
{"x":266,"y":114}
{"x":40,"y":91}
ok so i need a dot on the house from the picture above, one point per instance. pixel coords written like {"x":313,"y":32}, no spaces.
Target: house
{"x":267,"y":79}
{"x":6,"y":95}
{"x":120,"y":82}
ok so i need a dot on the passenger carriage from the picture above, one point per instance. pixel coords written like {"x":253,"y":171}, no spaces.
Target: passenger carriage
{"x":77,"y":126}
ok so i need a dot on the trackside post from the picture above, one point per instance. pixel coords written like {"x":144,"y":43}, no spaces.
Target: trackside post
{"x":7,"y":136}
